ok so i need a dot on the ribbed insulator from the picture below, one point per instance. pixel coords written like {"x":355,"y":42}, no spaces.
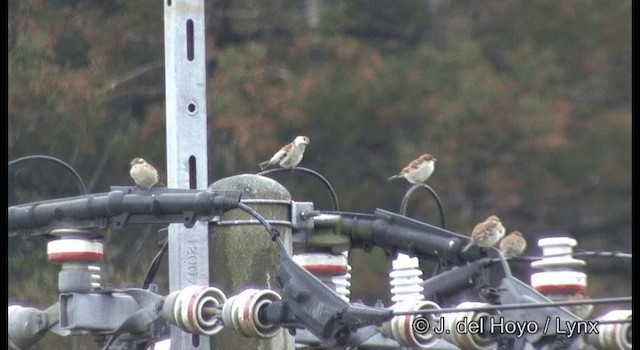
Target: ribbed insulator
{"x":406,"y":279}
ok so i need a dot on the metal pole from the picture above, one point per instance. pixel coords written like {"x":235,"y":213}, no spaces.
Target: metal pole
{"x":185,"y":76}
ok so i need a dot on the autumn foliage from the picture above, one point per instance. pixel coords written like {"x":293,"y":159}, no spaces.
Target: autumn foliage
{"x":526,"y":106}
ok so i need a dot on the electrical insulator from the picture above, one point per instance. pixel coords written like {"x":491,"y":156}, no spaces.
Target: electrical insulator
{"x":416,"y":331}
{"x":406,"y":279}
{"x":332,"y":269}
{"x":80,"y":256}
{"x":561,"y":274}
{"x":242,"y":313}
{"x":612,"y":336}
{"x":195,"y":309}
{"x":468,"y":329}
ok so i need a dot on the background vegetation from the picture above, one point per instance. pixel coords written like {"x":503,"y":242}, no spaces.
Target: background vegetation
{"x":526,"y":106}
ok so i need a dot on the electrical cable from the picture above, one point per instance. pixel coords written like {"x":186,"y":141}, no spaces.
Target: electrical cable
{"x":273,"y":232}
{"x":82,"y":187}
{"x":577,"y":253}
{"x":407,"y":195}
{"x":155,"y":264}
{"x":517,"y":306}
{"x":403,"y":209}
{"x":615,"y":321}
{"x":332,"y":193}
{"x":602,"y":254}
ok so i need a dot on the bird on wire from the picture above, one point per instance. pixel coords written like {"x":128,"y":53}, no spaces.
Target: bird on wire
{"x":513,"y":244}
{"x":418,"y":170}
{"x":486,"y":234}
{"x":289,"y":156}
{"x":143,"y":173}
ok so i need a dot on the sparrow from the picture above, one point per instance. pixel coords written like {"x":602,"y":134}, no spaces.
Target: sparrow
{"x":583,"y":311}
{"x":513,"y":244}
{"x":418,"y":171}
{"x":486,"y":234}
{"x":143,"y":173}
{"x":289,"y":156}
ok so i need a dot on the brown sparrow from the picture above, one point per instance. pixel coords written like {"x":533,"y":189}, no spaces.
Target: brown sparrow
{"x":289,"y":156}
{"x":418,"y":171}
{"x":583,"y":311}
{"x":143,"y":173}
{"x":486,"y":234}
{"x":513,"y":244}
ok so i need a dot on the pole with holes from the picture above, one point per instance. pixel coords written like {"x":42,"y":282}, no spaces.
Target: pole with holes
{"x":185,"y":79}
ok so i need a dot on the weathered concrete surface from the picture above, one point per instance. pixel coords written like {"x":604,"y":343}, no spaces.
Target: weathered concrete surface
{"x":244,"y":256}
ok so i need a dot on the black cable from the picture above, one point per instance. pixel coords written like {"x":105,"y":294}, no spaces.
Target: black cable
{"x":155,"y":265}
{"x":68,"y":167}
{"x":614,"y":321}
{"x":407,"y":195}
{"x":332,"y":193}
{"x":603,"y":254}
{"x":273,"y":232}
{"x":403,"y":209}
{"x":517,"y":306}
{"x":577,"y":253}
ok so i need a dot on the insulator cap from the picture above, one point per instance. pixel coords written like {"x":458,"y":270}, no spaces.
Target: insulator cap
{"x":74,"y":250}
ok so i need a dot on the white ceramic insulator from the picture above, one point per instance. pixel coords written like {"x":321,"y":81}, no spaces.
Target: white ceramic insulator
{"x":406,"y":279}
{"x":415,"y":331}
{"x":612,"y":336}
{"x":241,"y":312}
{"x":462,"y":328}
{"x":332,"y":269}
{"x":561,"y":274}
{"x":189,"y":309}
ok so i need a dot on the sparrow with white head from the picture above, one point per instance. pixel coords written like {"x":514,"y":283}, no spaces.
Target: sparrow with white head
{"x":289,"y":156}
{"x":486,"y":234}
{"x":418,"y":170}
{"x":143,"y":173}
{"x":513,"y":244}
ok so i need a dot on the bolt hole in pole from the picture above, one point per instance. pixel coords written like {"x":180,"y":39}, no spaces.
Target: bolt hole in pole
{"x":192,"y":108}
{"x":192,"y":172}
{"x":195,"y":340}
{"x":190,"y":40}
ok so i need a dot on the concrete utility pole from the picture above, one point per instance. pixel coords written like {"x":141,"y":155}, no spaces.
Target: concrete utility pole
{"x":244,"y":256}
{"x":185,"y":76}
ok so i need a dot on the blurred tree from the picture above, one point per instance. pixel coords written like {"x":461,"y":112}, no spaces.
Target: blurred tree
{"x":526,"y":106}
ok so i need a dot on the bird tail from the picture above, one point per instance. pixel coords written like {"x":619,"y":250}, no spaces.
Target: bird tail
{"x":466,"y":247}
{"x":393,"y":177}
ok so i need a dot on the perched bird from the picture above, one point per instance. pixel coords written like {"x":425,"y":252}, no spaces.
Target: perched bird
{"x":583,"y":311}
{"x":143,"y":173}
{"x":289,"y":156}
{"x":513,"y":244}
{"x":486,"y":234}
{"x":418,"y":171}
